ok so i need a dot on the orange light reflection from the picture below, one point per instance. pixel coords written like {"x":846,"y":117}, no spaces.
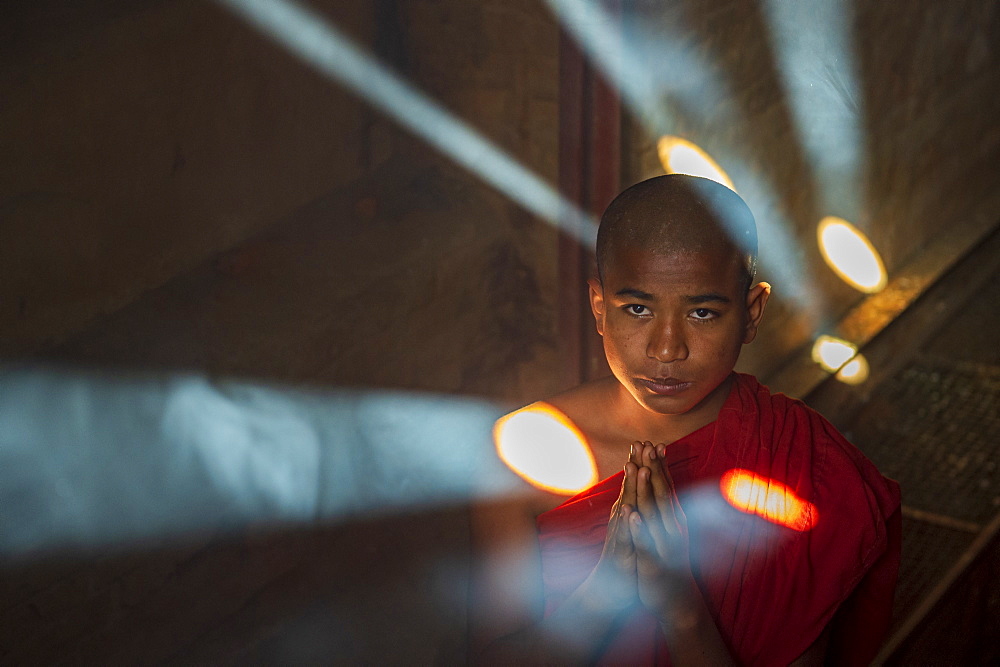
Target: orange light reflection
{"x":544,"y":447}
{"x":768,"y":499}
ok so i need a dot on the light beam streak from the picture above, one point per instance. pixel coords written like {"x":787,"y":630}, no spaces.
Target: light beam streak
{"x":658,"y":72}
{"x":313,"y":39}
{"x":814,"y":50}
{"x":102,"y":460}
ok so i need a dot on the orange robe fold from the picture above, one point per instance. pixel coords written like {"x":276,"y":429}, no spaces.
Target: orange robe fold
{"x":771,"y":589}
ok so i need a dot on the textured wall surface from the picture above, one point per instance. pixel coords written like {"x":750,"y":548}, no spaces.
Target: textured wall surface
{"x":183,"y":193}
{"x":922,"y":93}
{"x":179,"y":193}
{"x":139,"y":141}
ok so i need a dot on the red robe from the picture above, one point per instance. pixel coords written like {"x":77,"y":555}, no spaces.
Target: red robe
{"x":771,"y":589}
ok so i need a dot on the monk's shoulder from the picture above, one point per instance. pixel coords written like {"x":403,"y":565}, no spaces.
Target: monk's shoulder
{"x":587,"y":405}
{"x":837,"y":467}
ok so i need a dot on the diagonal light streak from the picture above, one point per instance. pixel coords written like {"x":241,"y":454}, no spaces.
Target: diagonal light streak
{"x":656,"y":71}
{"x":814,"y":51}
{"x":98,"y":459}
{"x":313,"y":39}
{"x":648,"y":85}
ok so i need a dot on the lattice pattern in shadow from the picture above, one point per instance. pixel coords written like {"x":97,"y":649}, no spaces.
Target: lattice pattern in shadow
{"x":933,"y":427}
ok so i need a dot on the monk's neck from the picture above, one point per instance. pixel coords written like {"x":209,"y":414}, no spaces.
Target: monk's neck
{"x":647,"y":425}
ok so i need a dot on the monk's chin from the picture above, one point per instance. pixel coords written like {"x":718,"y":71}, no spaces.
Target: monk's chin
{"x":679,"y":401}
{"x":664,"y":405}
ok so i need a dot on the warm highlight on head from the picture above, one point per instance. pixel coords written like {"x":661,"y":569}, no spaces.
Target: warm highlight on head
{"x":678,"y":212}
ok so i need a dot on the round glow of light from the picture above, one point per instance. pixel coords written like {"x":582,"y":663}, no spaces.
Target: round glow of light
{"x":680,"y":156}
{"x":545,"y":448}
{"x":854,"y":371}
{"x":832,"y":353}
{"x":851,"y":255}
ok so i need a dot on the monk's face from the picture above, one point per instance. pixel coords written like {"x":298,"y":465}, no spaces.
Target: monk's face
{"x":674,"y":322}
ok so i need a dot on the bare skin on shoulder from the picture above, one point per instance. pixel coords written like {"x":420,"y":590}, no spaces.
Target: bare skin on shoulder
{"x":674,"y":303}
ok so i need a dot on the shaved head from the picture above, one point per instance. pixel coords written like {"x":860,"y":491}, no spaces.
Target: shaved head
{"x":677,"y":213}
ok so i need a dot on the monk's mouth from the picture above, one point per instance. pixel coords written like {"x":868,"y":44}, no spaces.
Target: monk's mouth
{"x":666,"y":386}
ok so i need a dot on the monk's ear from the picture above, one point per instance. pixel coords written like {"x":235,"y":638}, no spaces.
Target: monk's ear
{"x":597,"y":303}
{"x":756,"y":300}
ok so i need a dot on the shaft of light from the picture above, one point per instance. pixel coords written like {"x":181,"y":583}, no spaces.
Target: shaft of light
{"x":656,"y":71}
{"x":314,"y":40}
{"x":104,"y":459}
{"x":813,"y":47}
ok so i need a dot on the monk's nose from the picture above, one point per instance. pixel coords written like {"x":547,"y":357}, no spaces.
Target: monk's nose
{"x":667,"y":343}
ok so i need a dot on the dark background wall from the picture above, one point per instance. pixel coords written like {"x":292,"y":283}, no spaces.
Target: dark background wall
{"x":926,"y":109}
{"x":183,"y":193}
{"x":177,"y":192}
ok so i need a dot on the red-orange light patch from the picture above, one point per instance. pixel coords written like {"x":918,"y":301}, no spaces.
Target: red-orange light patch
{"x":768,"y":499}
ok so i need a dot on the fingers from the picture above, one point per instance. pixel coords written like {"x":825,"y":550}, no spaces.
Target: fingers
{"x":628,"y":495}
{"x":619,"y":537}
{"x":656,"y":500}
{"x":652,"y":478}
{"x":648,"y":487}
{"x":655,"y":459}
{"x":640,"y":535}
{"x":635,"y":453}
{"x":619,"y":552}
{"x":622,"y":534}
{"x":649,"y":511}
{"x":647,"y":562}
{"x":664,"y":492}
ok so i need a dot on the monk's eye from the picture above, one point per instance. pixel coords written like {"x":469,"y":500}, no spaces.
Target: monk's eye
{"x":704,"y":314}
{"x":636,"y":309}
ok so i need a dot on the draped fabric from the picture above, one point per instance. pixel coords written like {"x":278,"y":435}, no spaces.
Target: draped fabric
{"x":771,"y":589}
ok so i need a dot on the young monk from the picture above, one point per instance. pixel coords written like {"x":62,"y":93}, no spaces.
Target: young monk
{"x":731,"y":526}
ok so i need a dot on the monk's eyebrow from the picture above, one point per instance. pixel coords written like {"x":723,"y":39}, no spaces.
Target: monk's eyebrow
{"x":704,"y":298}
{"x":635,"y":293}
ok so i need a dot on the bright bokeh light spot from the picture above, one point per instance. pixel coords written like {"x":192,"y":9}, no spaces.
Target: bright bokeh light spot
{"x":768,"y":499}
{"x":680,"y":156}
{"x":832,"y":353}
{"x":854,"y":371}
{"x":544,"y":447}
{"x":851,"y":255}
